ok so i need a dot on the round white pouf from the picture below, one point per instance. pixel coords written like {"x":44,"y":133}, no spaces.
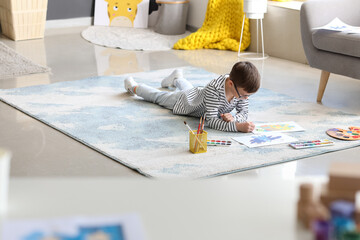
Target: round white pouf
{"x":130,"y":38}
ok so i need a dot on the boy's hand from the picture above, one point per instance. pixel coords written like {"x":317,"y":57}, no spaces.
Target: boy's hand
{"x":227,"y":117}
{"x":245,"y":127}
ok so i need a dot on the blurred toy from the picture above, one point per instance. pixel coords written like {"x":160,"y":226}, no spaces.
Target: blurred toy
{"x":337,"y":197}
{"x":342,"y":218}
{"x":308,"y":209}
{"x":344,"y":182}
{"x":351,"y":236}
{"x":321,"y":229}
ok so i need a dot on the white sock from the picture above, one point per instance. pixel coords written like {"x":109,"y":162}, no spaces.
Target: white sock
{"x":169,"y":81}
{"x":130,"y":84}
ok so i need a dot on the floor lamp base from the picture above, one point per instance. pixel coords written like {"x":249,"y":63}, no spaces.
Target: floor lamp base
{"x":253,"y":55}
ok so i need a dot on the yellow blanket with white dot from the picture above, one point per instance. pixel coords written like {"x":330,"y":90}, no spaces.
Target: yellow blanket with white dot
{"x":221,"y":28}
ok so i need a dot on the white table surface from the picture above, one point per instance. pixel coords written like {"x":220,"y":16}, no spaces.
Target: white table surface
{"x":170,"y":210}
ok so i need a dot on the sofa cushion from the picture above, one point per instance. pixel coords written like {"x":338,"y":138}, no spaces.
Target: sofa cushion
{"x":337,"y":42}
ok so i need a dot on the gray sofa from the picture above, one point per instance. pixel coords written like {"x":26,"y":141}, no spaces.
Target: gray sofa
{"x":332,"y":52}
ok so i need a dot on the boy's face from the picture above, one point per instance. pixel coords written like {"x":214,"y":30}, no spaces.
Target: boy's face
{"x":241,"y":93}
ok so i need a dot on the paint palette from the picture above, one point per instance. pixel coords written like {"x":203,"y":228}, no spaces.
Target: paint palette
{"x":352,"y":134}
{"x":219,"y":143}
{"x":311,"y":144}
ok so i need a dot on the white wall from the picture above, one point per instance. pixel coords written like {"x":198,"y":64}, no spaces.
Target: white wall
{"x":282,"y":36}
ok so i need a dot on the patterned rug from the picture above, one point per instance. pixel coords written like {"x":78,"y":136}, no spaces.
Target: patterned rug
{"x":12,"y":64}
{"x":150,"y":139}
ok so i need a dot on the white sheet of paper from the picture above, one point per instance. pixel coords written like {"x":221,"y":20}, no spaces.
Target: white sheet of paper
{"x":337,"y":25}
{"x":265,"y":139}
{"x":277,"y":127}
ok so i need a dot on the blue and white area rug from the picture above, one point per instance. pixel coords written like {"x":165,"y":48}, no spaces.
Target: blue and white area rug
{"x":150,"y":139}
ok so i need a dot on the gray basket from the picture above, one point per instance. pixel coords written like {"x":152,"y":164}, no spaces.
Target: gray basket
{"x":172,"y":17}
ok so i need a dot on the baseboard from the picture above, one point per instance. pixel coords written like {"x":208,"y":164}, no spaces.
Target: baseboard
{"x":86,"y":21}
{"x":71,"y":22}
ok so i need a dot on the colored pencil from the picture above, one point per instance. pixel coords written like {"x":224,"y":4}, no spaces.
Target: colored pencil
{"x":199,"y":127}
{"x":202,"y":122}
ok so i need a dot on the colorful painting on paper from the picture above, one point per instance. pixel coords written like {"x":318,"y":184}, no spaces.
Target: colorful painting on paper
{"x":122,"y":13}
{"x":266,"y":139}
{"x":125,"y":227}
{"x":91,"y":233}
{"x":278,"y":127}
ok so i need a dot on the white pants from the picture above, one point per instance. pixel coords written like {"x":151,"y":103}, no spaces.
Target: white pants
{"x":163,"y":98}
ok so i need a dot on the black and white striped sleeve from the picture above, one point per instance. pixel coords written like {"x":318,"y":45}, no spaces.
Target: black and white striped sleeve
{"x":212,"y":102}
{"x":242,"y":109}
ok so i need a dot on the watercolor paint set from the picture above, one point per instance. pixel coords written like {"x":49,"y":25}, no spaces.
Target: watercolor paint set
{"x":219,"y":143}
{"x":311,"y":144}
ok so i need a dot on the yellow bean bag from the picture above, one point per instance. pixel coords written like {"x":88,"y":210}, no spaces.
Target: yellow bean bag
{"x":221,"y":28}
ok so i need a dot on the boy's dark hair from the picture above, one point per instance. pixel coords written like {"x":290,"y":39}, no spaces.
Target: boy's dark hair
{"x":245,"y":75}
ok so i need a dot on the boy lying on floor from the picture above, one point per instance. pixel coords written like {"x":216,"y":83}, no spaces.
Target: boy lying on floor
{"x":216,"y":100}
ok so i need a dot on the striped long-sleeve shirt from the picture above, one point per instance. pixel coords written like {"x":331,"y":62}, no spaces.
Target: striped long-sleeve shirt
{"x":211,"y":100}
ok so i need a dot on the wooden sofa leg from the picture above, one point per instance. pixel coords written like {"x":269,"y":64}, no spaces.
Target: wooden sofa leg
{"x":323,"y":81}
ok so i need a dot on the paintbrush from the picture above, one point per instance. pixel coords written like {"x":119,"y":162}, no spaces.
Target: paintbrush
{"x":202,"y":127}
{"x":198,"y":132}
{"x":194,"y":134}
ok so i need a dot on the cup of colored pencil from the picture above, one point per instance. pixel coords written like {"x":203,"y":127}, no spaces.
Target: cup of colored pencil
{"x":198,"y":138}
